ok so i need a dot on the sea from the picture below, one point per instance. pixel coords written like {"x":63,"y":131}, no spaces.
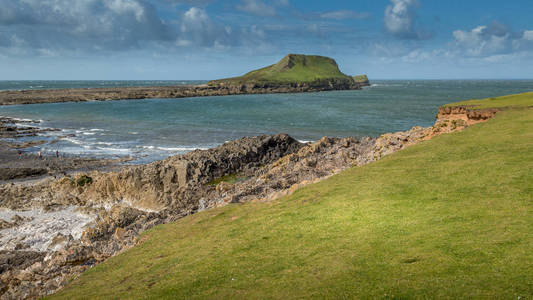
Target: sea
{"x":153,"y":129}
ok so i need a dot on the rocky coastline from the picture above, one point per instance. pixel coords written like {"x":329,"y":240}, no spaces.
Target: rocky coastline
{"x":19,"y":142}
{"x":54,"y":229}
{"x":131,"y":93}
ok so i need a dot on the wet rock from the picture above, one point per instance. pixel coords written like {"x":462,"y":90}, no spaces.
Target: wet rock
{"x":18,"y":259}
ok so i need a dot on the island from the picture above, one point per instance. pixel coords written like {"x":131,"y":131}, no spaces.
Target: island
{"x":295,"y":73}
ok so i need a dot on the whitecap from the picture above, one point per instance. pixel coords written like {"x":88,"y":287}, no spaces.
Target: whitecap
{"x":72,"y":140}
{"x":181,"y":148}
{"x":109,"y":149}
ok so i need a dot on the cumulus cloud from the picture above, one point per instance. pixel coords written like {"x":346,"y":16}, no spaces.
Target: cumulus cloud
{"x":528,"y":35}
{"x":400,"y":20}
{"x":257,"y":7}
{"x":492,"y":39}
{"x":87,"y":24}
{"x":344,"y":14}
{"x":65,"y":27}
{"x":197,"y":29}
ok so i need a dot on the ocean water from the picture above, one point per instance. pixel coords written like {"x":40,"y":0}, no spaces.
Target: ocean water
{"x":66,"y":84}
{"x":153,"y":129}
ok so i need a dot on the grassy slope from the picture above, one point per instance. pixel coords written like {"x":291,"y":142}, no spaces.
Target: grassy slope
{"x":307,"y":68}
{"x":510,"y":101}
{"x":449,"y":218}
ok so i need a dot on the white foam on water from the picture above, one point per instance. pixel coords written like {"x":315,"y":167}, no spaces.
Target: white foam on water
{"x":181,"y":148}
{"x":73,"y":140}
{"x":38,"y":233}
{"x":103,"y":143}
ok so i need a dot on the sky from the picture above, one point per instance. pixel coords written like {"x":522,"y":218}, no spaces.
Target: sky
{"x":209,"y":39}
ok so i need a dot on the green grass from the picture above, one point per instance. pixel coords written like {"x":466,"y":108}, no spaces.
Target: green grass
{"x":510,"y":101}
{"x":447,"y":218}
{"x":293,"y":68}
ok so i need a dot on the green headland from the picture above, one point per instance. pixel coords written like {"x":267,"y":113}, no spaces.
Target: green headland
{"x":451,"y":217}
{"x":293,"y":68}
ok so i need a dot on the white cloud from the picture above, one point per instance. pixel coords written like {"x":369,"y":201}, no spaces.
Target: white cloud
{"x":400,"y":20}
{"x":197,"y":29}
{"x":528,"y":35}
{"x":344,"y":14}
{"x":493,"y":39}
{"x":257,"y":7}
{"x":95,"y":27}
{"x":45,"y":25}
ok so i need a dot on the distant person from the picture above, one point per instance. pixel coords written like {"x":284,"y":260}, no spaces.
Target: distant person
{"x":40,"y":155}
{"x":20,"y":154}
{"x":57,"y":153}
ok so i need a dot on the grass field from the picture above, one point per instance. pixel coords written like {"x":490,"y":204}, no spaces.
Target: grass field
{"x":510,"y":101}
{"x":447,"y":218}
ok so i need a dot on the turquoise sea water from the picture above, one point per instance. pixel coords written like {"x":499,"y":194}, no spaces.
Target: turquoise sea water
{"x":152,"y":129}
{"x":77,"y":84}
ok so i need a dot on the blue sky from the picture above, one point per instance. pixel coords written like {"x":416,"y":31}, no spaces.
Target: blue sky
{"x":207,"y":39}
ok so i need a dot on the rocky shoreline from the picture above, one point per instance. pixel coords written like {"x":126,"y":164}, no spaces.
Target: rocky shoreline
{"x":130,"y":93}
{"x":74,"y":222}
{"x":19,"y":142}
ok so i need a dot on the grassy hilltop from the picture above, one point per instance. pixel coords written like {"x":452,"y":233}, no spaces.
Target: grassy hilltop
{"x":451,"y":218}
{"x":293,"y":68}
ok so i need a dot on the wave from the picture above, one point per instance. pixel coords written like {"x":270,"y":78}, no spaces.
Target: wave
{"x":110,"y":149}
{"x":182,"y":148}
{"x":73,"y":140}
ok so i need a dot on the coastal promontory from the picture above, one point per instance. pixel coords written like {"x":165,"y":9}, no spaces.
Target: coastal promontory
{"x":295,"y":73}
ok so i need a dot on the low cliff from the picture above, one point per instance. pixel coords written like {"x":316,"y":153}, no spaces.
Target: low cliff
{"x":362,"y":80}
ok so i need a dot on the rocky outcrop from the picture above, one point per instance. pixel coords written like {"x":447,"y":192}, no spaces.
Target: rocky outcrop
{"x":362,"y":80}
{"x":467,"y":113}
